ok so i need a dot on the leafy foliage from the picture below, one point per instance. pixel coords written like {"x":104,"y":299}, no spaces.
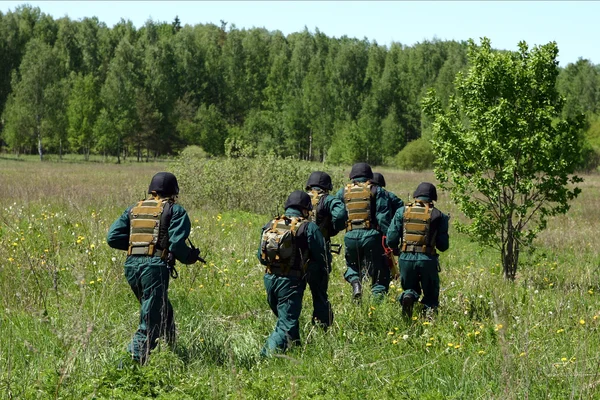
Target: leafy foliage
{"x":416,"y":156}
{"x":500,"y":149}
{"x":260,"y":185}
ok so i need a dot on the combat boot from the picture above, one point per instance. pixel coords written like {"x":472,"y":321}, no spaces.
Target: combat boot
{"x":407,"y":305}
{"x":356,"y":290}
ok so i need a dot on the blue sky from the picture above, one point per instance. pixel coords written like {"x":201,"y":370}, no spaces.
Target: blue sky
{"x":574,"y":25}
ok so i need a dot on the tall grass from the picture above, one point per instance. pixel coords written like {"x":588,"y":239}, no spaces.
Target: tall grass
{"x":66,"y":311}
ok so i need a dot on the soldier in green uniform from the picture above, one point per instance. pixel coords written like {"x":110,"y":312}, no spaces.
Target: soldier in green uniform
{"x":291,"y":248}
{"x":153,"y":232}
{"x":396,"y":202}
{"x":369,"y":215}
{"x":419,"y":229}
{"x":329,"y":213}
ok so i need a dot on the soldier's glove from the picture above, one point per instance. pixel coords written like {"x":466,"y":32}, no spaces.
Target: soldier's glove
{"x":193,"y":256}
{"x":396,"y":251}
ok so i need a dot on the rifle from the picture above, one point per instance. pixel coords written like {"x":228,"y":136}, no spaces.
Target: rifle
{"x":194,"y":247}
{"x":171,"y":261}
{"x":390,"y":259}
{"x":335,"y":248}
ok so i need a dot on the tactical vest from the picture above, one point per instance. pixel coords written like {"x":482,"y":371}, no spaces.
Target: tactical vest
{"x":319,"y":214}
{"x":417,"y":236}
{"x":149,"y":223}
{"x":358,"y":198}
{"x":280,"y":249}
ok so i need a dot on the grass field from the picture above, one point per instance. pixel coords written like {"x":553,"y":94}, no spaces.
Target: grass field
{"x":67,"y":313}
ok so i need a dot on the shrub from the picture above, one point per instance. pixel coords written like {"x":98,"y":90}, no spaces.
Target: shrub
{"x":193,"y":152}
{"x":259,"y":185}
{"x":416,"y":156}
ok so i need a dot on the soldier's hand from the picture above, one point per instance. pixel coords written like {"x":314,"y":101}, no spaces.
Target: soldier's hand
{"x":193,"y":256}
{"x":396,"y":251}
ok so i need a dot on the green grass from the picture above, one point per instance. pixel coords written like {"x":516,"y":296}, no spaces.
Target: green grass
{"x":67,"y":313}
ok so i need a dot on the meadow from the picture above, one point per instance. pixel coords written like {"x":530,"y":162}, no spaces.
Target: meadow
{"x":67,"y":313}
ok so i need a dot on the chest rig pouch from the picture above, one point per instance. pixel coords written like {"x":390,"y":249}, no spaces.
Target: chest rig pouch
{"x":358,"y":198}
{"x":417,"y":234}
{"x":149,"y":223}
{"x":281,"y":249}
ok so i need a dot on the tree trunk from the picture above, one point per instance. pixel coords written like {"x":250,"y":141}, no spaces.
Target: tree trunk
{"x":310,"y":139}
{"x":510,"y":253}
{"x":119,"y":152}
{"x":40,"y":147}
{"x":60,"y":149}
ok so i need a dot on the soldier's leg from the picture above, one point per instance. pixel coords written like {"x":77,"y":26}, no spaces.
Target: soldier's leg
{"x":132,"y":274}
{"x":154,"y":310}
{"x":352,"y":254}
{"x":410,"y":281}
{"x":430,"y":282}
{"x":289,"y":293}
{"x":318,"y":281}
{"x":378,"y":268}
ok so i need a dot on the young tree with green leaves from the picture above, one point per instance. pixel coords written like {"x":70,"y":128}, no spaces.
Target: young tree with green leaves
{"x":501,"y":150}
{"x":35,"y":97}
{"x":82,"y":111}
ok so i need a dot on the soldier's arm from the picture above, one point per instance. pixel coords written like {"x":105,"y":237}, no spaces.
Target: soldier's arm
{"x":339,"y":216}
{"x":118,"y":234}
{"x":396,"y":201}
{"x":384,"y":211}
{"x":340,"y":195}
{"x":316,"y":246}
{"x":179,"y":231}
{"x":394,"y":233}
{"x":442,"y":240}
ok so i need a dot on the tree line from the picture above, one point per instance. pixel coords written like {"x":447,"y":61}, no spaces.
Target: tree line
{"x":80,"y":86}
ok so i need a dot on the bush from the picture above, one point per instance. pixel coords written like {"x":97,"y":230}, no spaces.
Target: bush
{"x":259,"y":185}
{"x":193,"y":152}
{"x":416,"y":156}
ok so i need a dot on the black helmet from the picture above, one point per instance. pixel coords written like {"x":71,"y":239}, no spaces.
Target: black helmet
{"x":164,"y":183}
{"x":426,"y":189}
{"x":298,"y":199}
{"x":320,"y":179}
{"x":361,"y":170}
{"x":378,"y":179}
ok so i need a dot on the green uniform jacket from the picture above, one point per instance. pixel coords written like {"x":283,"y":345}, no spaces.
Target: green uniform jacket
{"x":337,"y":209}
{"x":316,"y":243}
{"x":396,"y":229}
{"x":396,"y":201}
{"x":179,"y":230}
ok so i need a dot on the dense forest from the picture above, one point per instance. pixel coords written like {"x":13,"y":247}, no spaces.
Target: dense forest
{"x":82,"y":87}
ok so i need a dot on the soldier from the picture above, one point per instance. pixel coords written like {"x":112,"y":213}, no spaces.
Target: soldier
{"x":153,"y":232}
{"x":291,"y":247}
{"x":329,"y":213}
{"x":369,"y":216}
{"x":396,"y":202}
{"x":420,"y":228}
